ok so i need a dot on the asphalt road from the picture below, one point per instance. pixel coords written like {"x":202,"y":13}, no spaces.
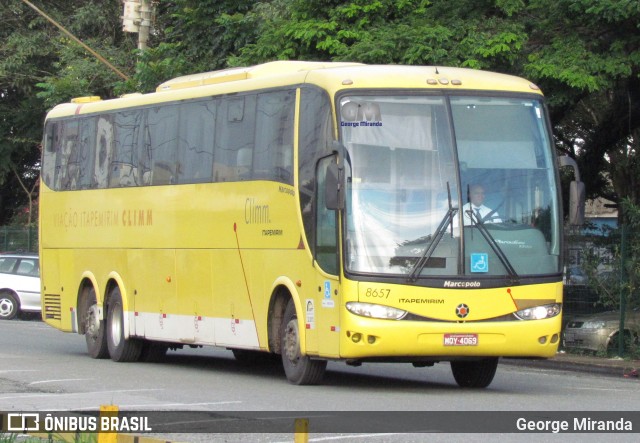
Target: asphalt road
{"x":42,"y":369}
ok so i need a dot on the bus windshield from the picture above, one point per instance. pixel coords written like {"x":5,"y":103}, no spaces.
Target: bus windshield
{"x":449,"y":186}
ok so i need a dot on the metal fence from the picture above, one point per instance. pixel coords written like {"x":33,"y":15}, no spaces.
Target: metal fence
{"x":15,"y":239}
{"x":594,"y":279}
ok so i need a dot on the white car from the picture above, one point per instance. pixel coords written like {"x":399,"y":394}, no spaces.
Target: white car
{"x":19,"y":284}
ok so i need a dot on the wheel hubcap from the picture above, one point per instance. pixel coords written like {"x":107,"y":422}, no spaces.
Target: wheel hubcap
{"x":116,"y":325}
{"x":291,"y":347}
{"x":92,"y":323}
{"x":6,"y":307}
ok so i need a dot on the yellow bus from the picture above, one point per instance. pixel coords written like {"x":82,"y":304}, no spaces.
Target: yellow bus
{"x":319,"y":211}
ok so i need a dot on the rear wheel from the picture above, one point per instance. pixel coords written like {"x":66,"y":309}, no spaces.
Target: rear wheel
{"x":94,"y":329}
{"x":475,"y":373}
{"x":9,"y":306}
{"x":299,"y":369}
{"x":120,"y":349}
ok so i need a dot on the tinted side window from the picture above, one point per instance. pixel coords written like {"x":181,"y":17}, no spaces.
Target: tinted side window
{"x":67,"y":159}
{"x":233,"y":156}
{"x":85,"y":153}
{"x":273,"y":155}
{"x":162,"y":131}
{"x":123,"y":170}
{"x":195,"y":143}
{"x":50,"y":150}
{"x":103,"y":150}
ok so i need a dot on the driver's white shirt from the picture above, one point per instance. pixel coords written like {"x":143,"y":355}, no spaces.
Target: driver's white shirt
{"x":484,"y":214}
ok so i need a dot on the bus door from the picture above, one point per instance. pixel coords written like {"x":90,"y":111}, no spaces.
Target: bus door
{"x":326,"y":303}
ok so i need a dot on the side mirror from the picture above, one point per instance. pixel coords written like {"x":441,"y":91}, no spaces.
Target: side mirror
{"x":576,"y":192}
{"x":334,"y":191}
{"x":576,"y":203}
{"x":334,"y":181}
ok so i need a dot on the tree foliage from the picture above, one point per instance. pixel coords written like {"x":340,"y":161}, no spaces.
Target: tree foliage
{"x":40,"y":67}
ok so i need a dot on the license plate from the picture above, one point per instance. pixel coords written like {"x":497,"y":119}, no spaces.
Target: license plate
{"x":460,"y":340}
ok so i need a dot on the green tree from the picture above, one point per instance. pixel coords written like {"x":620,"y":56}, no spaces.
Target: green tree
{"x":41,"y":67}
{"x":586,"y":54}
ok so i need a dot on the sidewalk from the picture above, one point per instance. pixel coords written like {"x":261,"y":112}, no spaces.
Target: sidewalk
{"x":613,"y":367}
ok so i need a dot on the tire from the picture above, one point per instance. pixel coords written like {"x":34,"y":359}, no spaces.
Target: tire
{"x":94,"y":329}
{"x":299,"y":369}
{"x":9,"y":306}
{"x":474,"y":374}
{"x":120,"y":349}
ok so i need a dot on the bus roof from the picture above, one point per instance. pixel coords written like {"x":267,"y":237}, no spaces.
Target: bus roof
{"x":332,"y":76}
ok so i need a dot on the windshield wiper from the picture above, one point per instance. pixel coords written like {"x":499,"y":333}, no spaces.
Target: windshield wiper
{"x":492,"y":243}
{"x":435,"y":240}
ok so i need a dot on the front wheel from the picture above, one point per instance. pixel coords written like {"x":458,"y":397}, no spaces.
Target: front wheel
{"x":9,"y":306}
{"x":474,"y":373}
{"x":120,"y":349}
{"x":299,"y":369}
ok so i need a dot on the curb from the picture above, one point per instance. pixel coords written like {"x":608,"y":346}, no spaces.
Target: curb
{"x":611,"y":368}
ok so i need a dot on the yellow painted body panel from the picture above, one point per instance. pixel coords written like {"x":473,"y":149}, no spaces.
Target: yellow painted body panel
{"x":426,"y":338}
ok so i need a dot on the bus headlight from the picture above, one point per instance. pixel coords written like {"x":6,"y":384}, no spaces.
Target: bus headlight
{"x":375,"y":311}
{"x":539,"y":312}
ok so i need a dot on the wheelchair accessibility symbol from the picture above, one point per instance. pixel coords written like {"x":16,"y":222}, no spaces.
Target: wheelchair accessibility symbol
{"x":480,"y":262}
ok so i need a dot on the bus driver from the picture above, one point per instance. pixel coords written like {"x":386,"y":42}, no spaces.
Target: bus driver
{"x":481,"y":213}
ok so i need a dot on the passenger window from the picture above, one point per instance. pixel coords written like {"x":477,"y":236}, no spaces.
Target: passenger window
{"x":163,"y":130}
{"x":195,"y":143}
{"x":85,"y":152}
{"x":233,"y":156}
{"x":273,"y":156}
{"x":124,"y":171}
{"x":104,"y":151}
{"x":51,"y":145}
{"x":68,"y":167}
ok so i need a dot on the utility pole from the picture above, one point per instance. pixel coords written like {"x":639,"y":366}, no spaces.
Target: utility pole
{"x":137,"y":18}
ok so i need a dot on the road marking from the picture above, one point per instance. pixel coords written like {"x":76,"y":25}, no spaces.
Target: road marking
{"x":4,"y":371}
{"x":57,"y":394}
{"x":58,"y":380}
{"x":123,"y":406}
{"x":352,"y":436}
{"x":599,"y":389}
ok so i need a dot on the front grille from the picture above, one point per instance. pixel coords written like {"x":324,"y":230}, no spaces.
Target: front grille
{"x":52,"y":307}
